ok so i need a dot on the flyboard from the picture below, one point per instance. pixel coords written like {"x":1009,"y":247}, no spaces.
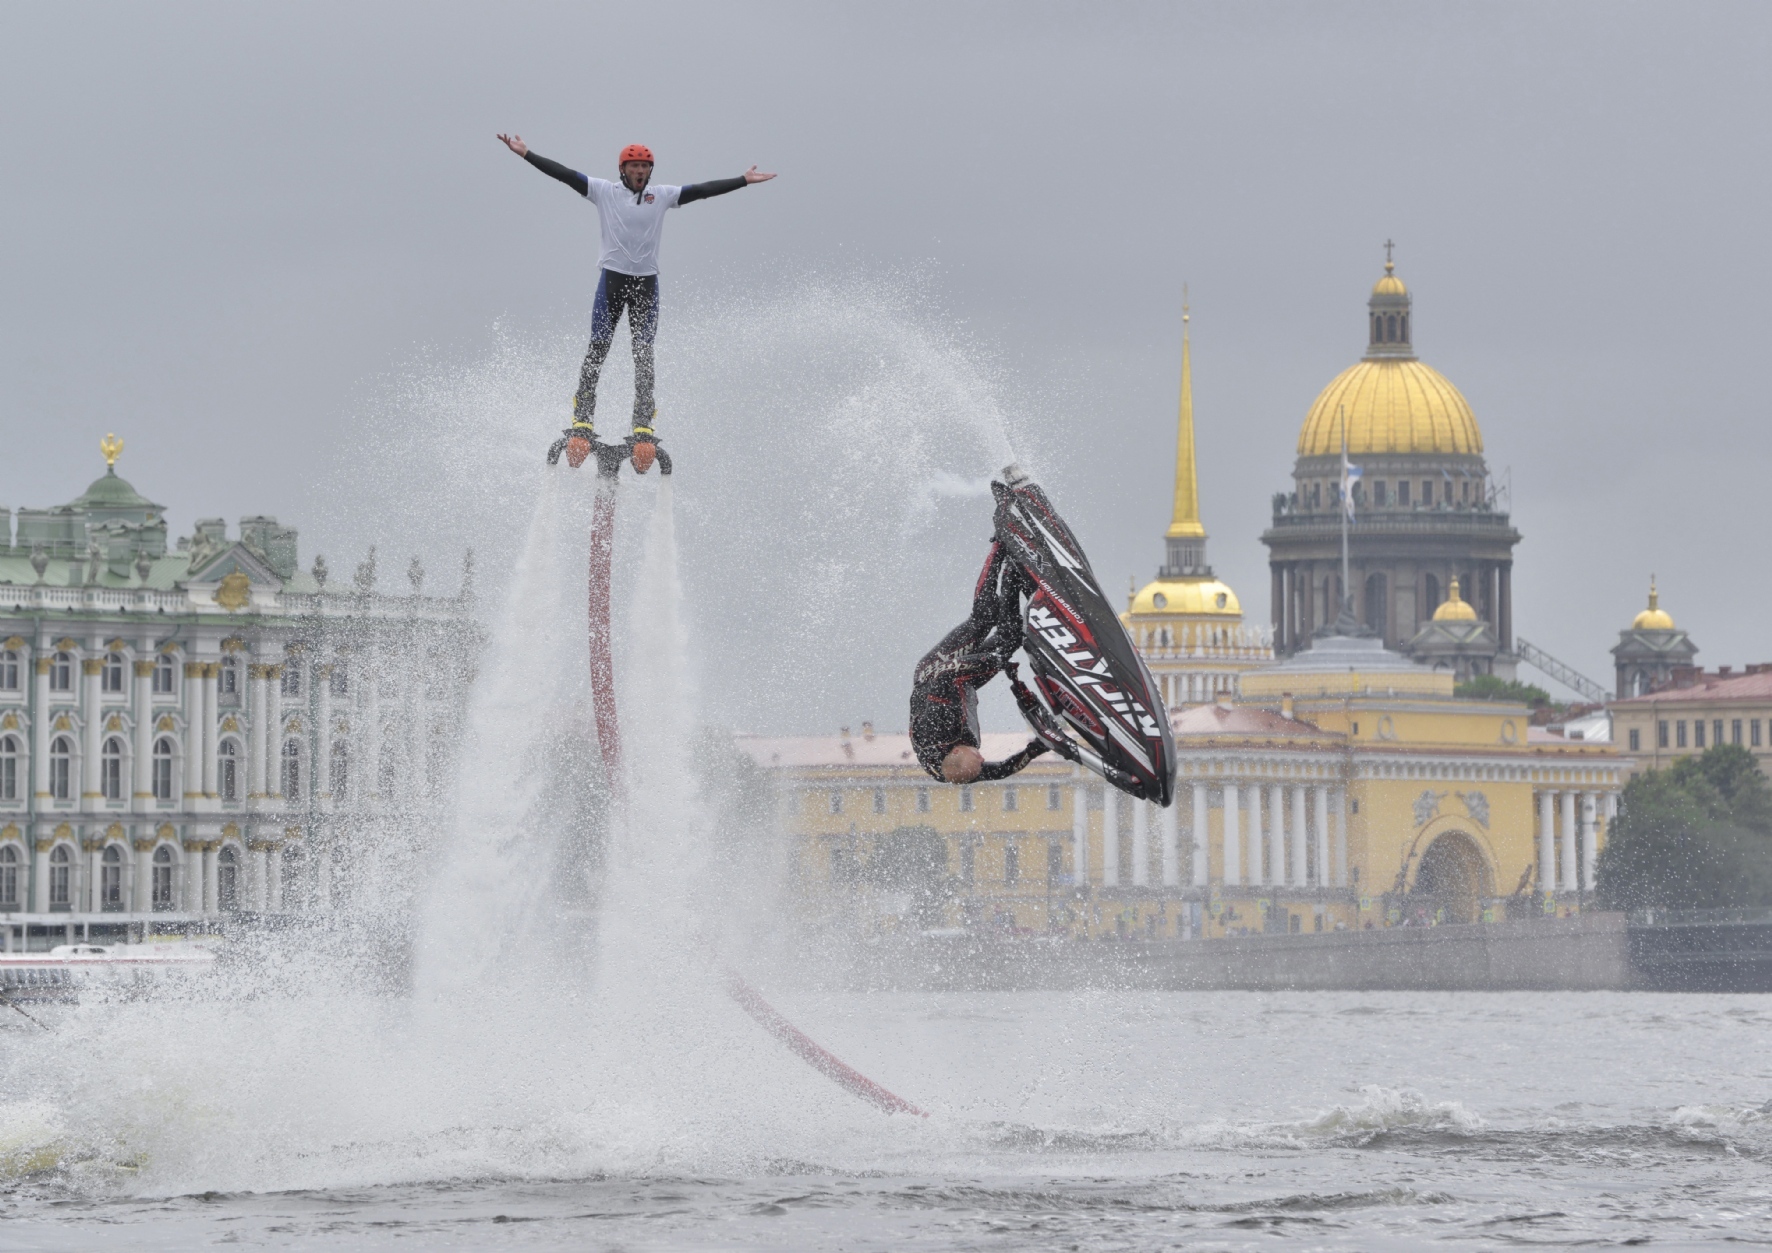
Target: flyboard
{"x":609,"y":458}
{"x":1093,"y":700}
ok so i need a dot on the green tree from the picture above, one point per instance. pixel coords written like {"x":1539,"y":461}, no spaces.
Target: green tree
{"x":1697,"y":835}
{"x":1488,"y":687}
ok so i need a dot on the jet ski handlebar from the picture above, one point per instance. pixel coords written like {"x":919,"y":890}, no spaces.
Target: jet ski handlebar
{"x":610,"y":456}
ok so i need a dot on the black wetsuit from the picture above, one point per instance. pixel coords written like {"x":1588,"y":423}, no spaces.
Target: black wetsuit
{"x":944,"y":688}
{"x":619,"y":290}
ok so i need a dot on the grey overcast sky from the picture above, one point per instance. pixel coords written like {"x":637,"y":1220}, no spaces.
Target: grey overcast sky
{"x":277,"y":247}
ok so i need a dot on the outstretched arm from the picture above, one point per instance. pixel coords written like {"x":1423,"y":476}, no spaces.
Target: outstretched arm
{"x":553,"y":169}
{"x":720,"y":186}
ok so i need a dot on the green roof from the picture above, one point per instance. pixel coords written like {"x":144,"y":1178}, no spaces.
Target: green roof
{"x":111,"y":492}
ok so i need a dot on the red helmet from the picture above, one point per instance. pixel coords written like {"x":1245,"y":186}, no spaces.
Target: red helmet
{"x":635,"y":152}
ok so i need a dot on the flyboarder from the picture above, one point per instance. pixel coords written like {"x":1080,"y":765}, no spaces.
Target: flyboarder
{"x":632,"y":217}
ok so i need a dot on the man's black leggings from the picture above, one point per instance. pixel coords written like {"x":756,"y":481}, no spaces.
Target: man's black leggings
{"x":638,"y":295}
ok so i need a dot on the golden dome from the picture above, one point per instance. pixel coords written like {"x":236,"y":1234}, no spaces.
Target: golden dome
{"x":1453,"y":609}
{"x":1392,"y":405}
{"x":1390,"y":284}
{"x":1186,"y":596}
{"x":1654,"y":618}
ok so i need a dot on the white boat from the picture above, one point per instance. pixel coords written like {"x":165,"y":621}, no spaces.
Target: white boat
{"x":68,"y":968}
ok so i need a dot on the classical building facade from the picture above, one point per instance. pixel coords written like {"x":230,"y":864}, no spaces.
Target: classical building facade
{"x":1424,"y":507}
{"x":1187,"y":623}
{"x":194,"y":729}
{"x":1651,"y":650}
{"x":1693,"y":710}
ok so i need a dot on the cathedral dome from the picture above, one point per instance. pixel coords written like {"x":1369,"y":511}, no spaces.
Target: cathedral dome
{"x":1186,"y":596}
{"x":1454,"y":608}
{"x":1654,"y":618}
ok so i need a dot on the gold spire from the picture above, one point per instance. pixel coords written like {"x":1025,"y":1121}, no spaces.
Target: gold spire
{"x":1186,"y":522}
{"x":112,"y":448}
{"x":1654,"y":618}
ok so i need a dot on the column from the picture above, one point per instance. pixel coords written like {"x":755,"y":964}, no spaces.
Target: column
{"x":368,"y":738}
{"x":1547,"y":841}
{"x":40,"y":873}
{"x":143,"y":801}
{"x":322,"y":737}
{"x":211,"y":707}
{"x":193,"y":763}
{"x":1567,"y":876}
{"x":1202,"y":856}
{"x":210,"y":849}
{"x":261,"y":863}
{"x":144,"y":874}
{"x":1256,"y":875}
{"x":1590,"y":841}
{"x":1300,"y":840}
{"x":274,"y":731}
{"x":1171,"y":821}
{"x":1507,"y":607}
{"x":91,"y":800}
{"x":256,"y":712}
{"x":40,"y":720}
{"x":1325,"y":875}
{"x":1141,"y":844}
{"x":418,"y":786}
{"x":1281,"y":641}
{"x":1231,"y":837}
{"x":1110,"y":837}
{"x":89,"y":890}
{"x":1276,"y":835}
{"x":1340,"y":808}
{"x":1079,"y":827}
{"x":274,"y":879}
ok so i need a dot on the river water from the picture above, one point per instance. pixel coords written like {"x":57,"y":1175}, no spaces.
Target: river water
{"x":1056,"y":1121}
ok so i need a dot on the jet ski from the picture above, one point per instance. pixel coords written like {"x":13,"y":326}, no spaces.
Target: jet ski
{"x":1092,"y":700}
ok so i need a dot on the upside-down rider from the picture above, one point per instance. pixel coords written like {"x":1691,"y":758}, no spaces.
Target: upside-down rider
{"x":944,"y":688}
{"x":632,"y":217}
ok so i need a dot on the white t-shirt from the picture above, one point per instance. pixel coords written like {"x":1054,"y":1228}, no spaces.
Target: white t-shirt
{"x":630,"y":230}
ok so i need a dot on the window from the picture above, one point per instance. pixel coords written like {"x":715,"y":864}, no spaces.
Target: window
{"x":923,"y":798}
{"x":61,"y":865}
{"x":1054,"y":797}
{"x":340,"y":780}
{"x":1009,"y":800}
{"x":110,"y":880}
{"x":1430,"y":594}
{"x":161,"y":889}
{"x":966,"y":800}
{"x":292,"y":678}
{"x":110,"y":675}
{"x":61,"y":673}
{"x":110,"y":769}
{"x":879,"y":800}
{"x":968,"y":861}
{"x":1403,"y":492}
{"x":1735,"y":731}
{"x":8,"y":670}
{"x":163,"y":769}
{"x":1054,"y":862}
{"x":165,"y":675}
{"x":1427,"y":491}
{"x":1680,"y":733}
{"x":291,"y":777}
{"x":61,"y":759}
{"x":228,"y":683}
{"x":1379,"y":493}
{"x":1753,"y":731}
{"x":227,"y":880}
{"x":1661,"y":734}
{"x":835,"y":802}
{"x":9,"y":766}
{"x":9,"y":864}
{"x":1716,"y":731}
{"x":1698,"y":733}
{"x":228,"y":768}
{"x":339,"y":682}
{"x":1011,"y":864}
{"x":1636,"y":740}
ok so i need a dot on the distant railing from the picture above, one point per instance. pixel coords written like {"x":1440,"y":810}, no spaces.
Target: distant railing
{"x":1700,"y":917}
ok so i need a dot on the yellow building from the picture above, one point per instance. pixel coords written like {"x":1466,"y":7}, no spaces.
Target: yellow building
{"x":1188,"y":624}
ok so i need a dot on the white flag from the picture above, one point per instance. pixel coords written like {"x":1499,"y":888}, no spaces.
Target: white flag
{"x":1350,"y":474}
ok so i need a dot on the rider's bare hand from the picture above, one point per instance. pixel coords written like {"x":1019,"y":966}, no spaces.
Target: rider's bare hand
{"x":750,"y":176}
{"x":515,"y":144}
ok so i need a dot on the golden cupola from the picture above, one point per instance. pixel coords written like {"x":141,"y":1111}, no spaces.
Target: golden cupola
{"x":1654,"y":618}
{"x":1454,"y":608}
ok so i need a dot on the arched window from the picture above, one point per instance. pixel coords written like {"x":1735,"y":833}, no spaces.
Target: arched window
{"x":1390,"y":328}
{"x":8,"y":670}
{"x":9,"y":885}
{"x":228,"y":770}
{"x":61,"y":672}
{"x":61,"y":768}
{"x":110,"y":880}
{"x":110,"y":769}
{"x":160,"y":894}
{"x":1430,"y":594}
{"x":1405,"y":325}
{"x":110,"y":675}
{"x":291,"y":778}
{"x":61,"y":865}
{"x":163,"y":751}
{"x":165,"y":675}
{"x":8,"y":768}
{"x":228,"y":680}
{"x":339,"y":681}
{"x":1377,"y":604}
{"x":340,"y":780}
{"x":292,"y":678}
{"x":227,"y":880}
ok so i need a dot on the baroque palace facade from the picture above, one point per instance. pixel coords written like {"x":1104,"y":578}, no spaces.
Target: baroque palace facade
{"x":193,"y":730}
{"x":1342,"y":785}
